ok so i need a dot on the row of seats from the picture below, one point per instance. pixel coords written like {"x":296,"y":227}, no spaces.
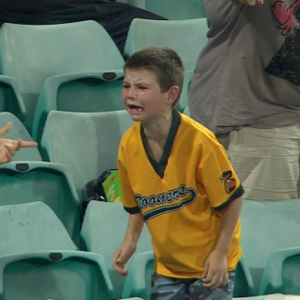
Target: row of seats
{"x":73,"y":165}
{"x":39,"y":260}
{"x":82,"y":71}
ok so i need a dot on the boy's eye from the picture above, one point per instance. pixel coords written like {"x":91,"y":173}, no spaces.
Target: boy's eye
{"x":125,"y":86}
{"x":142,"y":88}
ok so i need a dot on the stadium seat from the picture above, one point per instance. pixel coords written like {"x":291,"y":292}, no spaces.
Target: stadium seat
{"x":276,"y":227}
{"x":186,"y":111}
{"x":18,"y":131}
{"x":138,"y":282}
{"x":38,"y":260}
{"x":32,"y":53}
{"x":28,"y":181}
{"x":103,"y":231}
{"x":186,"y":37}
{"x":177,"y":9}
{"x":282,"y":272}
{"x":86,"y":92}
{"x":190,"y":39}
{"x":87,"y":143}
{"x":10,"y":98}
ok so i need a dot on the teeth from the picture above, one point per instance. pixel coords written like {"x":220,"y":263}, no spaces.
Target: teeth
{"x":139,"y":109}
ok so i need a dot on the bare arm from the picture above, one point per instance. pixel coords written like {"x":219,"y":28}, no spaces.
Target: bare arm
{"x":128,"y":247}
{"x":215,"y":270}
{"x":230,"y":217}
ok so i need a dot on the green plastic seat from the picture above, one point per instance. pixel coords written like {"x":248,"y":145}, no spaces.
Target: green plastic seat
{"x":268,"y":226}
{"x":32,"y":53}
{"x":186,"y":37}
{"x":103,"y":231}
{"x":84,"y":92}
{"x":177,"y":9}
{"x":138,"y":282}
{"x":87,"y":143}
{"x":28,"y":181}
{"x":38,"y":260}
{"x":10,"y":98}
{"x":18,"y":131}
{"x":282,"y":272}
{"x":186,"y":111}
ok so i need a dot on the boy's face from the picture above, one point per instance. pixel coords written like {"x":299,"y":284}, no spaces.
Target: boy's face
{"x":142,"y":96}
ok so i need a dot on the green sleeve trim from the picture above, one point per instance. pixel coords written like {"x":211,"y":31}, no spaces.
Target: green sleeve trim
{"x":238,"y":193}
{"x":132,"y":210}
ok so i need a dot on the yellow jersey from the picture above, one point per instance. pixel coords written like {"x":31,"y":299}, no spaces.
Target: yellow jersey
{"x":180,"y":197}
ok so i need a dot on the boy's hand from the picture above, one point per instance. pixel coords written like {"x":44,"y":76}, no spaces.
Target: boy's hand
{"x":121,"y":256}
{"x":252,"y":2}
{"x":215,"y":271}
{"x":8,"y":148}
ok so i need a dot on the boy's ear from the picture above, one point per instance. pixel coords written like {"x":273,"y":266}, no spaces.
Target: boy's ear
{"x":173,"y":94}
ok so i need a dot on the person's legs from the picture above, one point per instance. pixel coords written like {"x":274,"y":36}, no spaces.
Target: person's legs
{"x":267,"y":161}
{"x":199,"y":292}
{"x":165,"y":288}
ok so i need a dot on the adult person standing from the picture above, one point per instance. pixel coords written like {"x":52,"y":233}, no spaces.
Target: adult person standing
{"x":246,"y":89}
{"x":113,"y":16}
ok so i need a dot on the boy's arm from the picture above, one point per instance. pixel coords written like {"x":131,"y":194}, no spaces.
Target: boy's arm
{"x":128,"y":247}
{"x":215,"y":269}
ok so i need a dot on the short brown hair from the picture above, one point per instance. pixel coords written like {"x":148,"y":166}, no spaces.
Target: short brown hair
{"x":164,"y":62}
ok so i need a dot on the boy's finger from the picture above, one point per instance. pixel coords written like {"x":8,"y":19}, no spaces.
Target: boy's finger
{"x":4,"y":130}
{"x":225,"y":279}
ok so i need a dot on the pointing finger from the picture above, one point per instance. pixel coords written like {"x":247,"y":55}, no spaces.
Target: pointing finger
{"x":28,"y":144}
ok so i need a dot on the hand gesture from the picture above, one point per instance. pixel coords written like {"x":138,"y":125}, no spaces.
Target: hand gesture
{"x":121,"y":256}
{"x":215,"y":271}
{"x":252,"y":2}
{"x":8,"y":148}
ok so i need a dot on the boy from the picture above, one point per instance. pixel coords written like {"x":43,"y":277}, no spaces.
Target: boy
{"x":176,"y":177}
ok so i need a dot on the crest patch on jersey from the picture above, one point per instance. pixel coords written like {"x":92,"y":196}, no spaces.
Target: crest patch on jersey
{"x":228,"y":181}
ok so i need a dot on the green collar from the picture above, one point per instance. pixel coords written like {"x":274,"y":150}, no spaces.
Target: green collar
{"x":160,"y":166}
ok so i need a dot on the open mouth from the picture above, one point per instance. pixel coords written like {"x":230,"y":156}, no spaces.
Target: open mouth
{"x":135,"y":107}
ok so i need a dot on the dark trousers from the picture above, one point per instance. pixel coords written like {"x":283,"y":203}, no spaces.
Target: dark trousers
{"x":113,"y":16}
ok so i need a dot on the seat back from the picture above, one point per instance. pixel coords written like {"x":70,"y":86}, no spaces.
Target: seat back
{"x":276,"y":227}
{"x":186,"y":37}
{"x":32,"y":182}
{"x":103,"y":231}
{"x":31,"y":227}
{"x":84,"y":92}
{"x":36,"y":279}
{"x":10,"y":98}
{"x":33,"y":53}
{"x":177,"y":9}
{"x":85,"y":142}
{"x":39,"y":260}
{"x":18,"y":131}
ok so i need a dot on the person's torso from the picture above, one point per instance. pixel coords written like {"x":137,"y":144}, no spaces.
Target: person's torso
{"x":249,"y":72}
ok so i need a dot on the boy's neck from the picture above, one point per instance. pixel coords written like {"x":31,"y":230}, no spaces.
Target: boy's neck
{"x":158,"y":130}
